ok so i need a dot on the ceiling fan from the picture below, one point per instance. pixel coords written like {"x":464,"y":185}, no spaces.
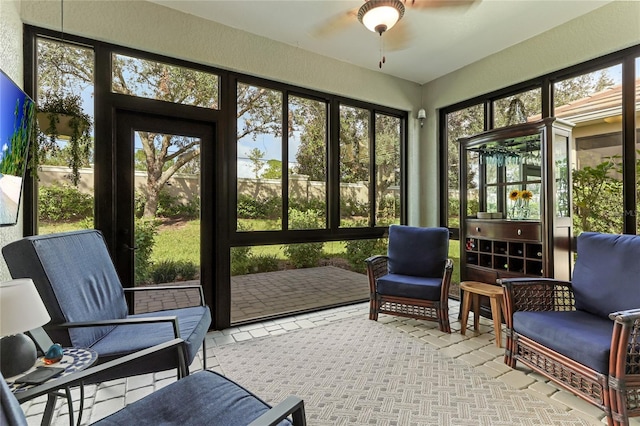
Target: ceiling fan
{"x":381,"y":16}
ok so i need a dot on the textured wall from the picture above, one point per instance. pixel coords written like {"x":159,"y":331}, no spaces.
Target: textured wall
{"x":608,"y":29}
{"x":11,"y":64}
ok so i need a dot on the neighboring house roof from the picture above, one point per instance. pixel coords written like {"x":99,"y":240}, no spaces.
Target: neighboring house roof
{"x":600,"y":105}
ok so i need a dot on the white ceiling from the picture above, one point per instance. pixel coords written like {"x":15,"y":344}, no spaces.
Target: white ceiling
{"x":435,"y":41}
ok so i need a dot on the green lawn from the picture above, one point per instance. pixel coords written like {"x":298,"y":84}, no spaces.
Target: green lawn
{"x":182,"y":242}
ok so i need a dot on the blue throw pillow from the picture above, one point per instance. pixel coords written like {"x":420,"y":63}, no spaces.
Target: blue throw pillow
{"x":420,"y":252}
{"x":606,"y":277}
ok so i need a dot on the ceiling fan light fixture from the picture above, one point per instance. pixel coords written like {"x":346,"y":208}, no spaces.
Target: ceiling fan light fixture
{"x":380,"y":15}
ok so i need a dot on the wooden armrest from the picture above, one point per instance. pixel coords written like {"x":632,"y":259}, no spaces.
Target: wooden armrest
{"x":168,"y":287}
{"x":122,"y":321}
{"x":449,"y":265}
{"x":624,"y":359}
{"x":292,"y":405}
{"x":626,"y":317}
{"x":377,"y":265}
{"x":536,"y":294}
{"x":74,"y":379}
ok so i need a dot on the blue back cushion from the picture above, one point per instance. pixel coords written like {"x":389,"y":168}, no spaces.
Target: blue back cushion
{"x":75,"y":277}
{"x":420,"y":252}
{"x":606,"y":276}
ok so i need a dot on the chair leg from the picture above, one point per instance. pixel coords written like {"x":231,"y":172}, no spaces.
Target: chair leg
{"x":204,"y":353}
{"x":373,"y":308}
{"x":443,"y":315}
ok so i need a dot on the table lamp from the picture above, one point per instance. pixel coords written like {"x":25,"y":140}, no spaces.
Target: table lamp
{"x":21,"y":309}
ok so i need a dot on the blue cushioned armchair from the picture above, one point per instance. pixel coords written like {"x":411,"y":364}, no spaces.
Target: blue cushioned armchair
{"x":585,"y":334}
{"x":203,"y":398}
{"x":78,"y":283}
{"x":413,"y":279}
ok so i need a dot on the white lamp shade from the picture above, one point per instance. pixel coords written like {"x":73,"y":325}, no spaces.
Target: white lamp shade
{"x":21,"y":308}
{"x":387,"y":16}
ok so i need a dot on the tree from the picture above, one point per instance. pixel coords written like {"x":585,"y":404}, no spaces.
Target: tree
{"x":274,"y":170}
{"x":354,"y":144}
{"x":258,"y":108}
{"x":309,"y":119}
{"x":256,"y":156}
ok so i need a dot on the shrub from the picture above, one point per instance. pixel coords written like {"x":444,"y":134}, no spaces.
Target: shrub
{"x":64,"y":203}
{"x":302,"y":205}
{"x":169,"y":206}
{"x":350,"y":207}
{"x":304,"y":255}
{"x":254,"y":208}
{"x":168,"y":271}
{"x":358,"y":250}
{"x":240,"y":260}
{"x":263,"y":263}
{"x":146,"y":231}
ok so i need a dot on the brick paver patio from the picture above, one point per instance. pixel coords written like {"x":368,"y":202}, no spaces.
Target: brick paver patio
{"x":270,"y":294}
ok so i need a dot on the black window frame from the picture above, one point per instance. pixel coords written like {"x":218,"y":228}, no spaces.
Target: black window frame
{"x":219,"y":298}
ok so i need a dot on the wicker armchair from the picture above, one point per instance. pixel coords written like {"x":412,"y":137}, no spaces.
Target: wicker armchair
{"x":584,"y":335}
{"x":413,"y":279}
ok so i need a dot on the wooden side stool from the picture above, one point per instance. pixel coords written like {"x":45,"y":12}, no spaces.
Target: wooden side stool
{"x":473,"y":291}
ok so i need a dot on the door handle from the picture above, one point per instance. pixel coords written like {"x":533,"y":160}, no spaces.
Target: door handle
{"x":128,"y":247}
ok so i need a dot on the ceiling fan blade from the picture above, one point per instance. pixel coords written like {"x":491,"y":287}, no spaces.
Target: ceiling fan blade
{"x":397,"y":38}
{"x":336,"y":24}
{"x":440,"y":4}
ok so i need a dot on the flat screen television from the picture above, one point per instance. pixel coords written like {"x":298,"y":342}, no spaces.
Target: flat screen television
{"x":17,"y":114}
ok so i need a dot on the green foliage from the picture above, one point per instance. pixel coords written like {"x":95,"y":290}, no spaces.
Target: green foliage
{"x":168,"y":206}
{"x":255,"y":208}
{"x":263,"y":263}
{"x":145,"y":234}
{"x":597,"y":198}
{"x":274,"y":170}
{"x":388,"y":209}
{"x":350,"y":207}
{"x":256,"y":156}
{"x":240,"y":257}
{"x":78,"y":148}
{"x":63,"y":203}
{"x":315,"y":204}
{"x":304,"y":255}
{"x":358,"y":250}
{"x":169,"y":271}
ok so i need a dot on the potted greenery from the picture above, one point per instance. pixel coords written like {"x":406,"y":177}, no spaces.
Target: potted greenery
{"x":62,"y":117}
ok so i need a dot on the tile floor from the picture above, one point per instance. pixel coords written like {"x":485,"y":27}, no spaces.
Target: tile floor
{"x":478,"y":350}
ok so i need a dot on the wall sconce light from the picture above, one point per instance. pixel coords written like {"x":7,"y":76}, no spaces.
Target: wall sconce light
{"x":422,"y":114}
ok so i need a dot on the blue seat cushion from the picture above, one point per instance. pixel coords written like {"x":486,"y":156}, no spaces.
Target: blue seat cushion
{"x":203,"y":398}
{"x":579,"y":335}
{"x":421,"y":252}
{"x":605,"y":277}
{"x":409,"y":286}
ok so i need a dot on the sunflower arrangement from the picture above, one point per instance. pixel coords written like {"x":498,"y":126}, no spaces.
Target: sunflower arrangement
{"x":520,"y":198}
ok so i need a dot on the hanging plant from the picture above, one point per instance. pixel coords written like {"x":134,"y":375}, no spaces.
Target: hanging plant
{"x":62,"y":117}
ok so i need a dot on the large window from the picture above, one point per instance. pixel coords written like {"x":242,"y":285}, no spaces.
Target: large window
{"x":164,"y":82}
{"x":259,"y":158}
{"x":593,"y":103}
{"x":307,"y":163}
{"x":197,"y":166}
{"x":590,"y":96}
{"x":65,"y":196}
{"x":388,"y":138}
{"x":355,"y":173}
